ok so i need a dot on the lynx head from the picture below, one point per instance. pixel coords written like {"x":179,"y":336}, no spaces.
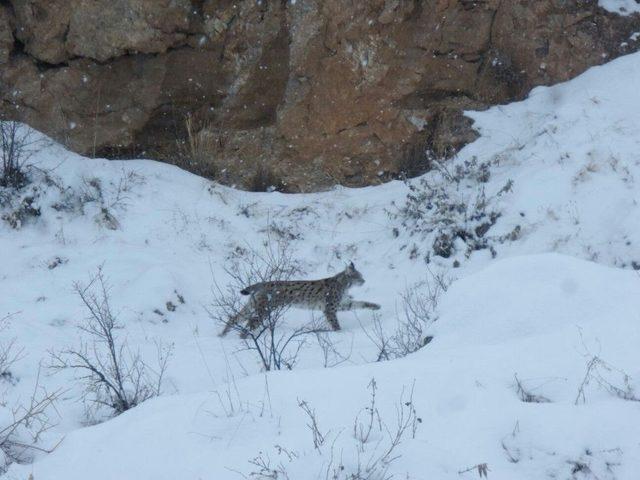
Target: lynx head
{"x":353,"y":276}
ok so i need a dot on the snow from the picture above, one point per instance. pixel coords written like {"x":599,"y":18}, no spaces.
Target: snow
{"x":561,"y":295}
{"x":622,"y":7}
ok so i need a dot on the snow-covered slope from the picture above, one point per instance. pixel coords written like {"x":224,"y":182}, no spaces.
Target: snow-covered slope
{"x":557,"y":307}
{"x":621,"y":7}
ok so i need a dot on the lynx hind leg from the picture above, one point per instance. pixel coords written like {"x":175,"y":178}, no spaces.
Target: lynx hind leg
{"x":229,"y":325}
{"x":256,"y":314}
{"x":234,"y":320}
{"x":255,"y":320}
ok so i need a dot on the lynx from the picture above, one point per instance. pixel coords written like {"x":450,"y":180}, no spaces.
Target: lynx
{"x":326,"y":294}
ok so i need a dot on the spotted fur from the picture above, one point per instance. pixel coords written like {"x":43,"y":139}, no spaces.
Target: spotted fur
{"x":327,"y":294}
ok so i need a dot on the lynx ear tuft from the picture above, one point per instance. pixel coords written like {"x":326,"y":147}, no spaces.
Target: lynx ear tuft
{"x":352,"y":266}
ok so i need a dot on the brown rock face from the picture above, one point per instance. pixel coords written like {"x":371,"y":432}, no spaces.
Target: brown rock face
{"x":104,"y":29}
{"x":305,"y":94}
{"x":54,"y":31}
{"x":6,"y":37}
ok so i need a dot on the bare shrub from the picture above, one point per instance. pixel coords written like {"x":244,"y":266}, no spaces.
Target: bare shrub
{"x":264,"y":179}
{"x":318,"y":437}
{"x":195,"y":147}
{"x":22,"y":426}
{"x":331,"y":355}
{"x":19,"y":197}
{"x":9,"y":353}
{"x":593,"y":464}
{"x":606,"y":376}
{"x":276,"y":346}
{"x":585,"y":464}
{"x":600,"y":372}
{"x":362,"y":429}
{"x":481,"y":468}
{"x":379,"y":338}
{"x":109,"y":198}
{"x":92,"y":192}
{"x":115,"y":197}
{"x":371,"y":450}
{"x":20,"y":436}
{"x":510,"y":447}
{"x":202,"y":144}
{"x":375,"y":457}
{"x":526,"y":395}
{"x":418,"y":311}
{"x":114,"y":376}
{"x":265,"y":469}
{"x":15,"y":150}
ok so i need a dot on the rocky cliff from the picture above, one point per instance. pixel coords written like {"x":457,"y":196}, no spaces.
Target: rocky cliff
{"x":299,"y":93}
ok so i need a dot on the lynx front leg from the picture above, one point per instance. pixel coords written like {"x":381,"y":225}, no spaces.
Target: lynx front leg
{"x":350,"y":304}
{"x":368,"y":305}
{"x":332,"y":318}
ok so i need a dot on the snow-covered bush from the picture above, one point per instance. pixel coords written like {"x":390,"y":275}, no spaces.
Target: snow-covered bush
{"x":45,"y":191}
{"x":450,"y":211}
{"x":114,"y":376}
{"x":20,"y":206}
